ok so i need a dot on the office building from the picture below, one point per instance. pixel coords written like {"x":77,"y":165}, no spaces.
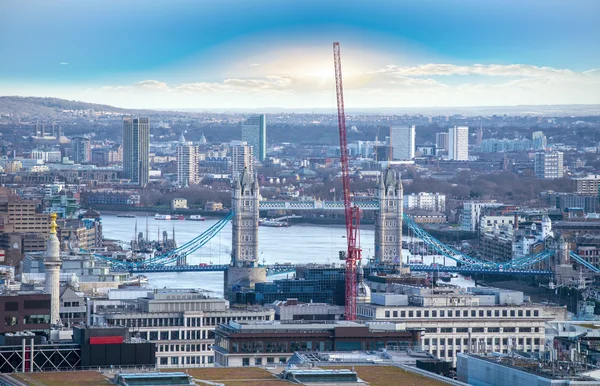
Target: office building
{"x":254,"y":133}
{"x":23,"y":228}
{"x":403,"y":142}
{"x":187,"y":163}
{"x":136,"y":148}
{"x":455,"y":322}
{"x":434,"y":202}
{"x":181,"y":322}
{"x":269,"y":343}
{"x":25,"y":311}
{"x":539,"y":140}
{"x":441,"y":142}
{"x":549,"y":164}
{"x":241,"y":159}
{"x":458,"y":143}
{"x":82,"y":150}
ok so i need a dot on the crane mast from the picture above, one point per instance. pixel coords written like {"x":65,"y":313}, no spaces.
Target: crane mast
{"x":352,"y":213}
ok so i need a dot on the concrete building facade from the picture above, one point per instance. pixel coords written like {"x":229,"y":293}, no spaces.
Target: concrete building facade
{"x":187,"y":163}
{"x":456,"y":322}
{"x":549,"y":164}
{"x":441,"y":142}
{"x":241,"y":159}
{"x":82,"y":150}
{"x":458,"y":143}
{"x":434,"y":202}
{"x":403,"y":142}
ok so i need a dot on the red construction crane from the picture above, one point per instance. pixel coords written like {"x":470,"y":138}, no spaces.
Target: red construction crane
{"x":353,"y":255}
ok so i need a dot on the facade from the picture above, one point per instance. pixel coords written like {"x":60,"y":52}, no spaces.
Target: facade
{"x":455,"y":322}
{"x":268,"y":343}
{"x":549,"y":164}
{"x":388,"y":219}
{"x":179,"y":203}
{"x":434,"y":202}
{"x":245,"y":201}
{"x":458,"y":143}
{"x":504,"y":145}
{"x":472,"y":210}
{"x":180,"y":322}
{"x":403,"y":143}
{"x":82,"y":150}
{"x":187,"y":163}
{"x":22,"y":227}
{"x":25,"y":311}
{"x":291,"y":309}
{"x":441,"y":142}
{"x":254,"y":133}
{"x":110,"y":197}
{"x":539,"y":140}
{"x":587,"y":185}
{"x":565,"y":201}
{"x":136,"y":149}
{"x":241,"y":159}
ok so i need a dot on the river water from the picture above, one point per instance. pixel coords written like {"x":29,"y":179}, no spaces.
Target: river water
{"x":297,"y":244}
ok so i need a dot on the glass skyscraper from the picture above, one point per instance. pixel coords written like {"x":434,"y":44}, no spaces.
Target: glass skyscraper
{"x":136,"y":149}
{"x":254,"y":133}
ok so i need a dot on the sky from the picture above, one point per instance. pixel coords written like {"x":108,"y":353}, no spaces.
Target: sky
{"x":228,"y":54}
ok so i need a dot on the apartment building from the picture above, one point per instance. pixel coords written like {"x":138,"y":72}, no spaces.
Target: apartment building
{"x":454,"y":321}
{"x":587,"y":185}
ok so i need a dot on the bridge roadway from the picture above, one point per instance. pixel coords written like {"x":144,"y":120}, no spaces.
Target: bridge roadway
{"x":315,"y":205}
{"x":284,"y":268}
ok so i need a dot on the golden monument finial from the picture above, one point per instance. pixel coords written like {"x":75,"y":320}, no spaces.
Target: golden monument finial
{"x":53,"y":223}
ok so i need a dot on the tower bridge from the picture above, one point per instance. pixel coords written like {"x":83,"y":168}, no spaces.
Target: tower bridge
{"x":244,"y":269}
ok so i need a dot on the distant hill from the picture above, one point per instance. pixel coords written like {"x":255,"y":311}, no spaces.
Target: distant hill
{"x":50,"y":106}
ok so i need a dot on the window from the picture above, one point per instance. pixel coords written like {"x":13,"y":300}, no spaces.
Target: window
{"x":174,"y":360}
{"x":258,"y":361}
{"x":395,"y":314}
{"x":446,"y":330}
{"x":431,"y":330}
{"x":509,"y":329}
{"x":10,"y":321}
{"x":536,"y":313}
{"x":442,"y":313}
{"x":270,"y":360}
{"x":477,"y":329}
{"x":504,"y":313}
{"x":403,"y":314}
{"x":36,"y":304}
{"x":512,"y":312}
{"x":164,"y":361}
{"x":36,"y":319}
{"x":426,"y":313}
{"x":410,"y":314}
{"x":282,"y":360}
{"x":489,"y":313}
{"x":387,"y":314}
{"x":246,"y":362}
{"x":153,"y":335}
{"x":520,"y":313}
{"x":462,"y":329}
{"x":497,"y":313}
{"x":426,"y":341}
{"x":481,"y":313}
{"x":524,"y":329}
{"x":528,"y":313}
{"x":493,"y":329}
{"x":473,"y":313}
{"x":418,"y":314}
{"x":434,"y":314}
{"x":449,"y":313}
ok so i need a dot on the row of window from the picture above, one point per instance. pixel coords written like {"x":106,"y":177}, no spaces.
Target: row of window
{"x":465,"y":341}
{"x":462,"y":313}
{"x":184,"y":347}
{"x":450,"y":330}
{"x":178,"y":322}
{"x":187,"y":360}
{"x":259,"y":361}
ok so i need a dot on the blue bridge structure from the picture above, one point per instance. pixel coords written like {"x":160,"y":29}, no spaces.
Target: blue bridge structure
{"x":540,"y":264}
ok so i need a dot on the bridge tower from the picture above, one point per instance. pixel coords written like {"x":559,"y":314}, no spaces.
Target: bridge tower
{"x":388,"y":219}
{"x":245,"y":200}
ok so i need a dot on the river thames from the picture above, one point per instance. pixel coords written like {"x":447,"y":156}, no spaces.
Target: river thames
{"x":297,"y":244}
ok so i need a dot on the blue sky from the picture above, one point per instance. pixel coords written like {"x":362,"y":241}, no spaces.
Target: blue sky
{"x":228,"y":54}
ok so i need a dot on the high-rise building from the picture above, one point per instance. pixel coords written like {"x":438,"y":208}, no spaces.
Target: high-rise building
{"x":458,"y":143}
{"x":136,"y":149}
{"x":388,"y":219}
{"x":441,"y":142}
{"x":549,"y":164}
{"x":539,"y":140}
{"x":82,"y":150}
{"x":254,"y":132}
{"x":403,"y":142}
{"x":241,"y":159}
{"x":187,"y":163}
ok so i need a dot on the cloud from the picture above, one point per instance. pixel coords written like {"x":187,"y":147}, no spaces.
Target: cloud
{"x":64,"y":63}
{"x":433,"y":84}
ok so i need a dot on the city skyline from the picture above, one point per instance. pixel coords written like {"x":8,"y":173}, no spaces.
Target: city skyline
{"x":268,"y":54}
